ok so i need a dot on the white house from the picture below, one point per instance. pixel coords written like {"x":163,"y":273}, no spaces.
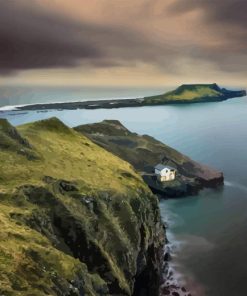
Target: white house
{"x":164,"y":172}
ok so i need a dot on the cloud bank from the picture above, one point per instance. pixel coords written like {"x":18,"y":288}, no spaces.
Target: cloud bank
{"x":172,"y":36}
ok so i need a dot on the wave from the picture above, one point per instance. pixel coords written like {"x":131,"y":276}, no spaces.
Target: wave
{"x":15,"y":107}
{"x":8,"y":108}
{"x":236,"y":185}
{"x":177,"y":280}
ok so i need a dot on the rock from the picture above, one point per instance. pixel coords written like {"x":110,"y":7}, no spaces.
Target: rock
{"x":67,"y":186}
{"x":165,"y":291}
{"x":167,"y":256}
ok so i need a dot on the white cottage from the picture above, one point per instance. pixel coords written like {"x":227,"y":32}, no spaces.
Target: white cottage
{"x":164,"y":172}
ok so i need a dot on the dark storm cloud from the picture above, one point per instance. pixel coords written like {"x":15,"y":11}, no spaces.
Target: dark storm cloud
{"x":32,"y":39}
{"x":228,"y":17}
{"x":230,"y":12}
{"x":225,"y":19}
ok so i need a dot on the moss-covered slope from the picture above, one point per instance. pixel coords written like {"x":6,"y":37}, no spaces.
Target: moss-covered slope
{"x":144,"y":152}
{"x":75,"y":219}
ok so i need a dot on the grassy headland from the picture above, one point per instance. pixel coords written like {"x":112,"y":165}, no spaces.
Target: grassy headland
{"x":75,"y":219}
{"x":144,"y":152}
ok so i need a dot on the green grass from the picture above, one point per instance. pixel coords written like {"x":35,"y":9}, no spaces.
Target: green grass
{"x":145,"y":152}
{"x":140,"y":151}
{"x":36,"y":258}
{"x":194,"y":92}
{"x":63,"y":154}
{"x":190,"y":93}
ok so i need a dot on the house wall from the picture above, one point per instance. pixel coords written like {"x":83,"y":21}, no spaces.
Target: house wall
{"x":163,"y":178}
{"x":165,"y":172}
{"x":166,"y":176}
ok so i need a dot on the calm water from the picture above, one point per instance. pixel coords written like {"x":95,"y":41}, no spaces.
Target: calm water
{"x":21,"y":95}
{"x":208,"y":231}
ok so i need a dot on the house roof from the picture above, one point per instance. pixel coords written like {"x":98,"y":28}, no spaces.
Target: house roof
{"x":161,"y":167}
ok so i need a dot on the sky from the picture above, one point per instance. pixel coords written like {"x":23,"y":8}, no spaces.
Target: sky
{"x":123,"y":42}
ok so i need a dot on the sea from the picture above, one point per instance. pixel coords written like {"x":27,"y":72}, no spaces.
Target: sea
{"x":207,"y":232}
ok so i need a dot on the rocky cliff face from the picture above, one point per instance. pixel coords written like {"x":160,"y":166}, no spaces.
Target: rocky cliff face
{"x":75,"y":219}
{"x":144,"y":152}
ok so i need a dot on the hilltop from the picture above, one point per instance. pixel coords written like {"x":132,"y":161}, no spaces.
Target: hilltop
{"x":192,"y":93}
{"x":187,"y":93}
{"x":144,"y":152}
{"x":75,"y":219}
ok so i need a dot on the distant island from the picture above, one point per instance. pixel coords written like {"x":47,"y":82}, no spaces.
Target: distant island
{"x":186,"y":93}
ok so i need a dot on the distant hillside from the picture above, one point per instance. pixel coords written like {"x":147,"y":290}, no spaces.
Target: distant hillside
{"x":192,"y":93}
{"x":144,"y":152}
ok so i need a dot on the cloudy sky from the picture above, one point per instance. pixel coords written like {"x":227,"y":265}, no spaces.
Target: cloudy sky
{"x":123,"y":42}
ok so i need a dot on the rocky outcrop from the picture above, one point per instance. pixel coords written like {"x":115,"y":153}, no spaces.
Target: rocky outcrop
{"x":144,"y":152}
{"x":86,"y":228}
{"x":119,"y":238}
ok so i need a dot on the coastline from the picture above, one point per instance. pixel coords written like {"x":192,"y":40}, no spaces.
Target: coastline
{"x":219,"y":107}
{"x":107,"y":104}
{"x":164,"y":99}
{"x":184,"y":94}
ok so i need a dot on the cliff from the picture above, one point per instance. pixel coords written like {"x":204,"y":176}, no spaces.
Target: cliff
{"x":144,"y":152}
{"x":75,"y":219}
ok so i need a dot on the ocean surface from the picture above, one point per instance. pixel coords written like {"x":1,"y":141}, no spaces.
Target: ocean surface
{"x":22,"y":95}
{"x":208,"y":232}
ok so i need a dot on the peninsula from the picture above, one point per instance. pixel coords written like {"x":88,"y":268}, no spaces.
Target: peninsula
{"x":184,"y":94}
{"x":144,"y":152}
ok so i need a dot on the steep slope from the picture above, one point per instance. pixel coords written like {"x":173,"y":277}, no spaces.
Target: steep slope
{"x":75,"y":219}
{"x":144,"y":152}
{"x":11,"y":140}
